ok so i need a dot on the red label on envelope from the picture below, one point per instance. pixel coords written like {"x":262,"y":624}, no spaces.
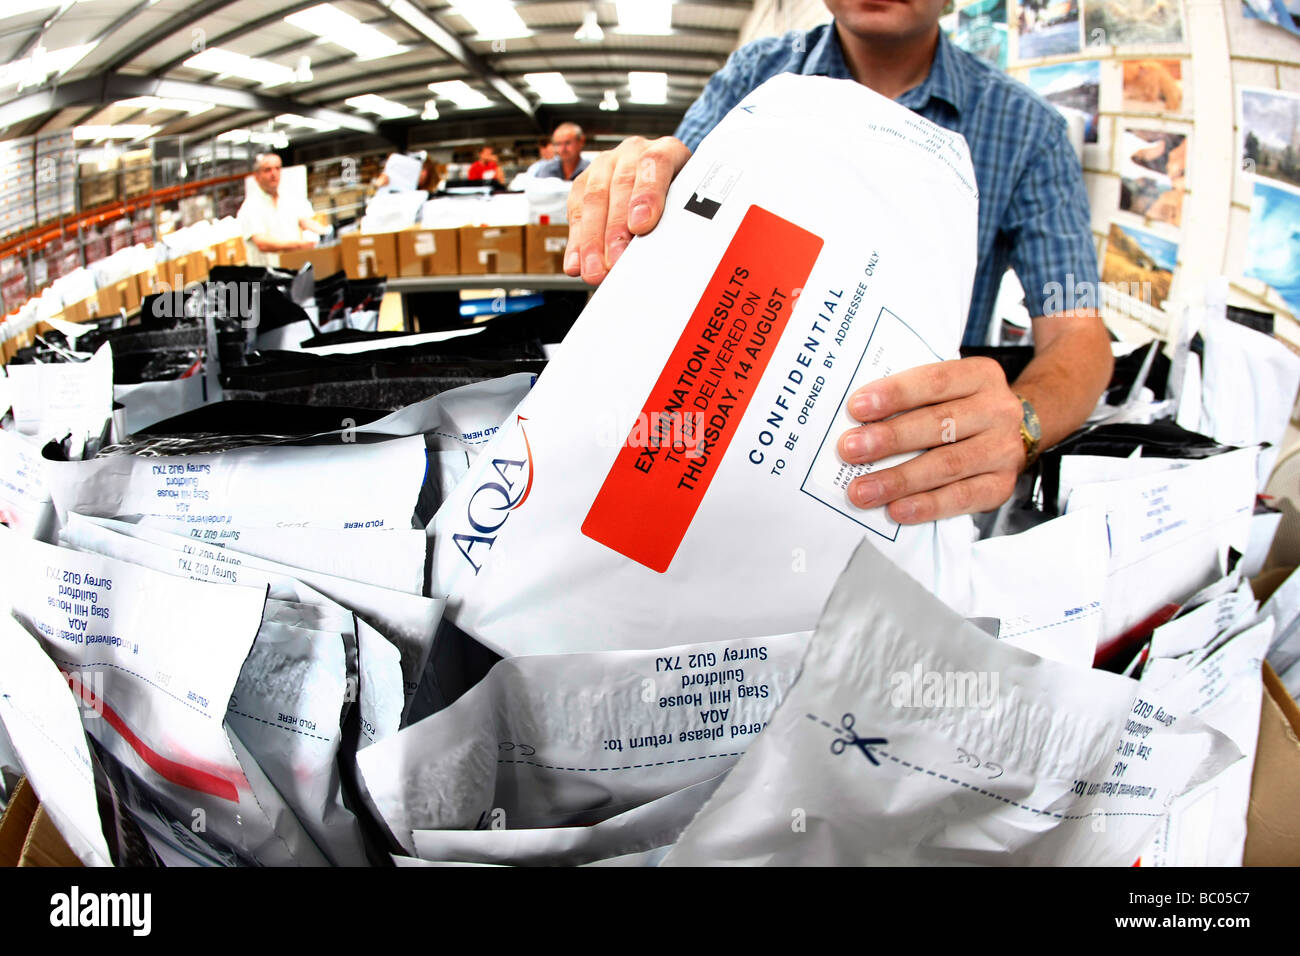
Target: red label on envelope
{"x":677,"y":443}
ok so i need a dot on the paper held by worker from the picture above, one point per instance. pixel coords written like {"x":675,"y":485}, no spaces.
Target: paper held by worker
{"x":673,"y":476}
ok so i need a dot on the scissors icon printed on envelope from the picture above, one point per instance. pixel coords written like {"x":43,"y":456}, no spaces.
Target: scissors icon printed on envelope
{"x":841,"y":744}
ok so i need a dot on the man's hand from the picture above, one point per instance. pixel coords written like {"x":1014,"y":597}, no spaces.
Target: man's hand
{"x":965,"y":419}
{"x":620,"y":195}
{"x":267,"y":244}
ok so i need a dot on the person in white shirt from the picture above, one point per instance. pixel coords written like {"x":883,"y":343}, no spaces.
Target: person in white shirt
{"x":271,"y":224}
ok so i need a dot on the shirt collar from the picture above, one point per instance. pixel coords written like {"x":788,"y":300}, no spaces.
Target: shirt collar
{"x":946,"y":80}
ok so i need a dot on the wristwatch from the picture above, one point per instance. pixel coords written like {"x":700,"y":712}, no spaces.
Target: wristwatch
{"x":1031,"y":433}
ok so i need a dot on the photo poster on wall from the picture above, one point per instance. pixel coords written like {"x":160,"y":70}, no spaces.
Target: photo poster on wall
{"x":1048,"y":28}
{"x":1153,"y":174}
{"x":1072,"y":88}
{"x":1270,"y":135}
{"x":1280,"y":13}
{"x":1139,"y":264}
{"x":982,"y":30}
{"x":1153,"y":86}
{"x":1272,"y":249}
{"x":1130,"y":22}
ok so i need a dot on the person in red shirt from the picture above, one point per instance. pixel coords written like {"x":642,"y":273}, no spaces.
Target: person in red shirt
{"x":486,"y":166}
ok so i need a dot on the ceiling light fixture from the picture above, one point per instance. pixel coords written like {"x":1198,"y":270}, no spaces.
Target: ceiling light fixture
{"x":493,"y":19}
{"x":302,"y":70}
{"x":307,"y":122}
{"x":342,"y":29}
{"x":461,"y":93}
{"x":590,"y":31}
{"x":275,"y":140}
{"x":610,"y":102}
{"x":551,"y":87}
{"x":32,"y":70}
{"x":647,"y":87}
{"x":387,"y":109}
{"x":430,"y":110}
{"x":645,"y":17}
{"x":127,"y":131}
{"x":228,"y":63}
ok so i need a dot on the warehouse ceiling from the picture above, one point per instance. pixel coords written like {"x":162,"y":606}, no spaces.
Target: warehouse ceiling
{"x":311,"y":72}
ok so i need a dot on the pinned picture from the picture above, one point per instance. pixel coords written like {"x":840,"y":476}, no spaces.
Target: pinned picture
{"x":982,"y":30}
{"x":1048,"y":28}
{"x":1153,"y":174}
{"x":1126,"y":22}
{"x":1270,"y":122}
{"x":1071,"y":88}
{"x":1273,"y":242}
{"x":1154,"y":86}
{"x":1280,"y":13}
{"x":1139,"y":263}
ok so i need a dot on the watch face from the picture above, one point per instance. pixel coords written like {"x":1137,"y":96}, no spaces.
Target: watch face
{"x":1029,"y":423}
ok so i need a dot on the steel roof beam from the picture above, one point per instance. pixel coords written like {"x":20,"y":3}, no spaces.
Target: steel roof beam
{"x":106,"y":89}
{"x":429,"y":28}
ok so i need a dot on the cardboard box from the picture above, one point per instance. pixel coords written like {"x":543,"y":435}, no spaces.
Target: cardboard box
{"x":136,"y":182}
{"x":27,"y":835}
{"x":98,"y":186}
{"x":325,"y":260}
{"x":123,"y":294}
{"x":179,"y":272}
{"x":369,"y":255}
{"x":486,"y":250}
{"x":197,"y":266}
{"x":15,"y":823}
{"x":428,"y":252}
{"x":544,"y":249}
{"x":1272,"y":824}
{"x":81,"y":311}
{"x":231,"y":252}
{"x":109,"y":300}
{"x":144,"y":281}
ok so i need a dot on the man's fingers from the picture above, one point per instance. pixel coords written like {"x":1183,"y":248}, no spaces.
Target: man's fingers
{"x":617,"y":234}
{"x":594,"y":214}
{"x":655,"y":170}
{"x":935,"y":469}
{"x":572,"y":259}
{"x":621,"y":194}
{"x":924,"y":385}
{"x":917,"y":430}
{"x":970,"y":495}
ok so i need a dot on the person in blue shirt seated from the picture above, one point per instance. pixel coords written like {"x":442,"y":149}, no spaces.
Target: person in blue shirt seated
{"x":1033,"y":217}
{"x":568,"y":162}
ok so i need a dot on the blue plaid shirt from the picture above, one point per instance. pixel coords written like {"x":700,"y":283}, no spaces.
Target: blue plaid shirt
{"x":1033,"y":212}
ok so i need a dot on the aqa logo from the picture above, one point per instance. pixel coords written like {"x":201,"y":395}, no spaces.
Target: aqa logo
{"x":505,"y":487}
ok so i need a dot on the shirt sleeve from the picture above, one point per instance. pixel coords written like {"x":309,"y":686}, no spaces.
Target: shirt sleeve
{"x":1050,"y":228}
{"x":725,"y":89}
